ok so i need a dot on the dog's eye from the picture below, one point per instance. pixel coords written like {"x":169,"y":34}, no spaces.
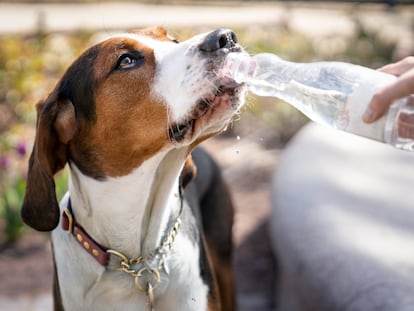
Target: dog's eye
{"x":128,"y":61}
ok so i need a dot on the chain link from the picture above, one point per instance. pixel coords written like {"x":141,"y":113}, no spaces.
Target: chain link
{"x":146,"y":276}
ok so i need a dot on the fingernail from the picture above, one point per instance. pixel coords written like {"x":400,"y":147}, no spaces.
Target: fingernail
{"x":369,"y":115}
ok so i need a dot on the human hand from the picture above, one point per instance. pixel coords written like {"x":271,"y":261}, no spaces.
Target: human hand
{"x":402,"y":87}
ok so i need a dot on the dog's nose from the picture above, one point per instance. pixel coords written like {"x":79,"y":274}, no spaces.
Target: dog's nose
{"x":218,"y":39}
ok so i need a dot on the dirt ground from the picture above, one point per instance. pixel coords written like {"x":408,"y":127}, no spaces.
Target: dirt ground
{"x":26,"y":268}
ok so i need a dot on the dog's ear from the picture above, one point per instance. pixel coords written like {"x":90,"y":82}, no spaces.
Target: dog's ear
{"x":55,"y":127}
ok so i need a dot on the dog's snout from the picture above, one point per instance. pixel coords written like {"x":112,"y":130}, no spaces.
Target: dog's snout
{"x":218,"y":39}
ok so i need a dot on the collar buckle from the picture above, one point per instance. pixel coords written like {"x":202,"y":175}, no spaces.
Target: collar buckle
{"x":67,"y":221}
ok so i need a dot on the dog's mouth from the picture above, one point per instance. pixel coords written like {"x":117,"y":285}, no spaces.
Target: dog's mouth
{"x":226,"y":96}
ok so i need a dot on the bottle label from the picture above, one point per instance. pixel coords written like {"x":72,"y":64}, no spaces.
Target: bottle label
{"x":356,"y":105}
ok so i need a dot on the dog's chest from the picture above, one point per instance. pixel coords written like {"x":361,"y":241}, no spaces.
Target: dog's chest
{"x":85,"y":285}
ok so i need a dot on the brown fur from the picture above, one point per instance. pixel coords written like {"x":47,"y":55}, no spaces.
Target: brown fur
{"x":224,"y":275}
{"x":128,"y":116}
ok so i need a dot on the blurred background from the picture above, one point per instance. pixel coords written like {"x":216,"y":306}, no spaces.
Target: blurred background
{"x":39,"y":39}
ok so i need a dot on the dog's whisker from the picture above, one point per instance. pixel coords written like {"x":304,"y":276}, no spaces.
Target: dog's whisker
{"x":206,"y":101}
{"x":215,"y":88}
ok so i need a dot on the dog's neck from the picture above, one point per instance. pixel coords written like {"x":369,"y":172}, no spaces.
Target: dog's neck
{"x":131,"y":213}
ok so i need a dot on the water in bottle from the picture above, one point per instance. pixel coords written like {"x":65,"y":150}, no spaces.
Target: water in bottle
{"x":335,"y":94}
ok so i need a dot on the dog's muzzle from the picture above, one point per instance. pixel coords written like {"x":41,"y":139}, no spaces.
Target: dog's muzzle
{"x":215,"y":47}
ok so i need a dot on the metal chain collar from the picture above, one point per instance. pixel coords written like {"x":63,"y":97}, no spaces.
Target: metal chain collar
{"x":146,"y":269}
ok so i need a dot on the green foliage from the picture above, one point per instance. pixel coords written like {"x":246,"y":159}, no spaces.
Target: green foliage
{"x":13,"y":155}
{"x":29,"y":67}
{"x":10,"y":210}
{"x":61,"y":184}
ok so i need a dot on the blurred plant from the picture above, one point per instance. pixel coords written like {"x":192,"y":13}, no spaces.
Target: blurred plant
{"x":29,"y":67}
{"x":366,"y":47}
{"x":13,"y":170}
{"x":13,"y":147}
{"x":10,"y":211}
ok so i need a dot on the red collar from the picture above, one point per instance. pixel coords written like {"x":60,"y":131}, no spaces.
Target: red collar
{"x":96,"y":250}
{"x":102,"y":253}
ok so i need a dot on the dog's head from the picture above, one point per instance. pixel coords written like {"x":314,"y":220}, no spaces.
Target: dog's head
{"x":124,"y":100}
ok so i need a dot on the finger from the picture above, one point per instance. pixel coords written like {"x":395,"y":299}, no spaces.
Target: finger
{"x":410,"y":100}
{"x":399,"y":68}
{"x":383,"y":98}
{"x":378,"y":105}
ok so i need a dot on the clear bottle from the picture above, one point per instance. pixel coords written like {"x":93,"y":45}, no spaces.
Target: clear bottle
{"x":330,"y":93}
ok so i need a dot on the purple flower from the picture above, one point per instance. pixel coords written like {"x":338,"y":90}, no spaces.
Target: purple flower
{"x":21,"y":148}
{"x":4,"y":162}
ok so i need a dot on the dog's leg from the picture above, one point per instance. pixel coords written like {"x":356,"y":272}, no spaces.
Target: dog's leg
{"x":217,"y":213}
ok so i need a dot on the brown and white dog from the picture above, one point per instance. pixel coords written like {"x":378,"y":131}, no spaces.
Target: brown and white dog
{"x":125,"y":116}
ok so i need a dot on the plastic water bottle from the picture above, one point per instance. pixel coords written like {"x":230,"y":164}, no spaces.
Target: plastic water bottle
{"x":335,"y":94}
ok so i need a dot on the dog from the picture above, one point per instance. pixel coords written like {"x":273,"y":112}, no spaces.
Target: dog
{"x":126,"y":116}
